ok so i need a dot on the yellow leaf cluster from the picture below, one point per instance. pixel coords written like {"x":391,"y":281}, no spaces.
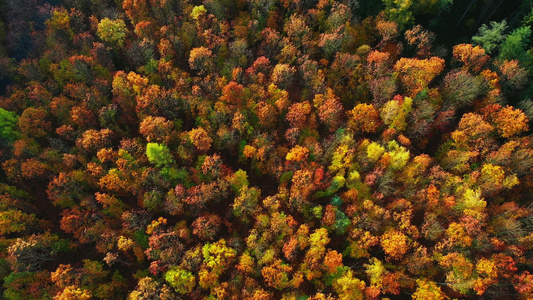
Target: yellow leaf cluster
{"x":298,"y":154}
{"x":428,"y":290}
{"x":395,"y":243}
{"x":374,"y":151}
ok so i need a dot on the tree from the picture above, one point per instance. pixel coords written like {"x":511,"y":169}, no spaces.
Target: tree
{"x":461,"y":88}
{"x":312,"y":76}
{"x":201,"y":60}
{"x":338,"y":16}
{"x":421,"y":38}
{"x":148,"y":288}
{"x":112,"y":31}
{"x":74,"y":293}
{"x":297,"y":30}
{"x":158,"y":154}
{"x":33,"y":122}
{"x":66,"y":189}
{"x":181,"y":280}
{"x":16,"y":221}
{"x":200,"y":139}
{"x":136,"y":10}
{"x":8,"y":123}
{"x":524,"y":284}
{"x":313,"y":260}
{"x":416,"y":74}
{"x":330,"y":110}
{"x":333,"y":261}
{"x":91,"y":280}
{"x":267,"y":114}
{"x":29,"y":285}
{"x":383,"y":89}
{"x":364,"y":118}
{"x":33,"y":169}
{"x":156,"y":129}
{"x":515,"y":46}
{"x":473,"y":58}
{"x":283,"y":75}
{"x":346,"y":72}
{"x":399,"y":12}
{"x":83,"y":116}
{"x":207,"y":226}
{"x":394,"y":113}
{"x":298,"y":114}
{"x":154,"y":101}
{"x":331,"y":42}
{"x":490,"y":38}
{"x":201,"y":194}
{"x":238,"y":180}
{"x":259,"y":69}
{"x":111,"y":204}
{"x":197,"y":11}
{"x":376,"y":271}
{"x":298,"y":154}
{"x":25,"y":147}
{"x":217,"y":258}
{"x":92,"y":140}
{"x":460,"y":276}
{"x":513,"y":75}
{"x":427,"y":290}
{"x":395,"y":243}
{"x":349,"y":287}
{"x":233,"y":94}
{"x":379,"y":63}
{"x":474,"y":126}
{"x":510,"y":122}
{"x":276,"y":274}
{"x":213,"y":166}
{"x":301,"y":188}
{"x":270,"y":43}
{"x":29,"y":254}
{"x":246,"y":203}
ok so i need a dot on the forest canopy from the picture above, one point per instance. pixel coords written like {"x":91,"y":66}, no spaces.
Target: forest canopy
{"x":266,"y":149}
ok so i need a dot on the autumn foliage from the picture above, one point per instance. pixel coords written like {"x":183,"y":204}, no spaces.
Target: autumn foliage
{"x":266,"y":149}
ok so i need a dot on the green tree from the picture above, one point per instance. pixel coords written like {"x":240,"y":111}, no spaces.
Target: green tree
{"x":8,"y":125}
{"x":515,"y":46}
{"x":158,"y":154}
{"x":489,"y":38}
{"x":181,"y":280}
{"x":112,"y":31}
{"x":246,"y":203}
{"x":399,"y":11}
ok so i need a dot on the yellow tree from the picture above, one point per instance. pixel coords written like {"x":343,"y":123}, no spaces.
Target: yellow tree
{"x":348,"y":287}
{"x":112,"y":31}
{"x":428,"y":290}
{"x":217,"y":258}
{"x":73,"y":293}
{"x":311,"y":266}
{"x":395,"y":243}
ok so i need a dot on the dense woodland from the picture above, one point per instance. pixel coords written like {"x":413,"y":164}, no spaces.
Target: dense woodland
{"x":266,"y":149}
